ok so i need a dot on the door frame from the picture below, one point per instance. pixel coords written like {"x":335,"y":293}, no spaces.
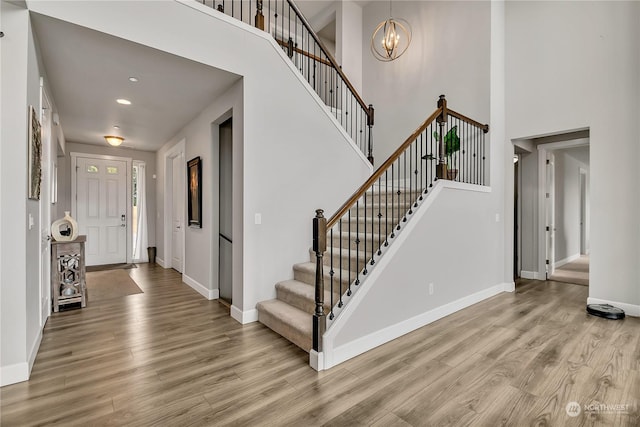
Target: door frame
{"x":177,"y":150}
{"x":74,"y":194}
{"x":583,"y":177}
{"x":46,"y":205}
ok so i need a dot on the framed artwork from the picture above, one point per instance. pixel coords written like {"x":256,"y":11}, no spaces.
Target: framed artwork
{"x":194,"y":178}
{"x":35,"y":155}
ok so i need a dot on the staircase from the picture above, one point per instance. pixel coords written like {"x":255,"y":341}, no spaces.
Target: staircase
{"x":363,"y":232}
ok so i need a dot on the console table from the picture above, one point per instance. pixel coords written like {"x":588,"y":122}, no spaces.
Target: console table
{"x":68,"y":273}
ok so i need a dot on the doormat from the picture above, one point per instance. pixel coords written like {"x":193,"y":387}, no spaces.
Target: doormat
{"x":104,"y":285}
{"x":110,"y":267}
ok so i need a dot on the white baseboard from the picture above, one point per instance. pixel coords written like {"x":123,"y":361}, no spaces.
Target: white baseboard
{"x":200,"y":288}
{"x":566,"y":260}
{"x":632,"y":310}
{"x":335,"y":356}
{"x":34,"y":350}
{"x":19,"y":372}
{"x":532,"y":275}
{"x":244,"y":317}
{"x":509,"y":286}
{"x":15,"y":373}
{"x":160,"y":262}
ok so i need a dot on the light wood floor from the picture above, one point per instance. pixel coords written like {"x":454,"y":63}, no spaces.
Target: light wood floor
{"x":169,"y":357}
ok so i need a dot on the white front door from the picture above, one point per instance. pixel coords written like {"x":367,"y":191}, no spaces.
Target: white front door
{"x":101,"y":209}
{"x":178,"y":171}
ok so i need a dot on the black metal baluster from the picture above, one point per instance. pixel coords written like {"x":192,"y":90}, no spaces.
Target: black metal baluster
{"x":331,"y":273}
{"x":392,"y":201}
{"x":386,"y":207}
{"x":339,"y":261}
{"x":349,"y":247}
{"x":379,"y":216}
{"x":357,"y":243}
{"x":365,"y":235}
{"x":373,"y":217}
{"x":404,"y":188}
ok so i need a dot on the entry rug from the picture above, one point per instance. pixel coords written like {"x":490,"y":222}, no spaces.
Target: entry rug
{"x":109,"y":284}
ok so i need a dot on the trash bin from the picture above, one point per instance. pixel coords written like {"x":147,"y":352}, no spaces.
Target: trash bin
{"x":151,"y":250}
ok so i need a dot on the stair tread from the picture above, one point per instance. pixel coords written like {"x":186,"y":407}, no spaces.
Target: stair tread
{"x":305,"y":291}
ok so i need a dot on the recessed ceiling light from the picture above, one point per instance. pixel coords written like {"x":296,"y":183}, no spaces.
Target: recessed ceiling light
{"x":116,"y":127}
{"x":133,"y":79}
{"x":123,"y":101}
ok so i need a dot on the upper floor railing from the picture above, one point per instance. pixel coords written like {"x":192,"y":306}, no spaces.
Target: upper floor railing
{"x":291,"y":30}
{"x":448,"y":145}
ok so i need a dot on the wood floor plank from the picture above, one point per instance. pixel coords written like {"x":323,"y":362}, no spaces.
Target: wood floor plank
{"x":170,"y":357}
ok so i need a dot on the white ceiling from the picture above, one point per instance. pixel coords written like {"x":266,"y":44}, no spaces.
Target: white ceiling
{"x":88,"y":70}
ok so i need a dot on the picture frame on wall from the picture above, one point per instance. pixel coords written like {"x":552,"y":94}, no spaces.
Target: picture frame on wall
{"x":35,"y":155}
{"x":194,"y":202}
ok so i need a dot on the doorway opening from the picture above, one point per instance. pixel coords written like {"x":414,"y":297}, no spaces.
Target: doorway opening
{"x":225,"y":211}
{"x":551,"y":232}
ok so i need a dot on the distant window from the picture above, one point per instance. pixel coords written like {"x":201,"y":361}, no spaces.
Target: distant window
{"x":92,"y":169}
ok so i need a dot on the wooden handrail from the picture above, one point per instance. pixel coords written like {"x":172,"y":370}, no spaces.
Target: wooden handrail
{"x":485,"y":128}
{"x":304,"y":53}
{"x":330,"y":57}
{"x":383,"y":167}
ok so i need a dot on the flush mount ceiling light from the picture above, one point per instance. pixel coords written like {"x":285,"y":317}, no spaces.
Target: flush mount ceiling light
{"x":123,"y":101}
{"x":391,"y":38}
{"x":114,"y":140}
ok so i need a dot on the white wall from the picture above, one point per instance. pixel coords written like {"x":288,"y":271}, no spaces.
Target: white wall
{"x":20,"y":246}
{"x":445,"y":244}
{"x":549,"y":47}
{"x":567,"y":205}
{"x":64,"y":177}
{"x":349,"y":38}
{"x":449,"y":54}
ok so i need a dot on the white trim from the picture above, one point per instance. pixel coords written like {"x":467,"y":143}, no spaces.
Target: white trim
{"x":566,"y":260}
{"x":34,"y":350}
{"x":129,"y":163}
{"x":509,"y":286}
{"x":581,"y":142}
{"x":629,"y":309}
{"x":266,"y":36}
{"x":335,"y":356}
{"x":534,"y":275}
{"x":160,"y":262}
{"x":244,"y":317}
{"x":15,"y":373}
{"x":200,"y":288}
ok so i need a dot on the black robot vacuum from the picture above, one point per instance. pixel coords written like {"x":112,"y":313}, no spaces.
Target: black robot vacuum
{"x":605,"y":310}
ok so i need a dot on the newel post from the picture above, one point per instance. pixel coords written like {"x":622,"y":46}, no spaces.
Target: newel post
{"x":319,"y":247}
{"x":441,"y":167}
{"x":370,"y":117}
{"x":259,"y":21}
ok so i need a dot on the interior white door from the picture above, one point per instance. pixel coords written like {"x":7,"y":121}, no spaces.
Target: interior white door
{"x":178,"y":183}
{"x":45,"y":211}
{"x":583,"y":212}
{"x":101,"y":209}
{"x":550,"y":214}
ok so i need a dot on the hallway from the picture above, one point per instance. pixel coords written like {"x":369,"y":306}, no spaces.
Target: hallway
{"x":576,"y":272}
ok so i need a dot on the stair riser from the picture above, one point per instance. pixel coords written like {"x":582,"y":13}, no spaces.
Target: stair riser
{"x":309,"y":277}
{"x":358,"y":225}
{"x":348,"y":241}
{"x":305,"y":304}
{"x":303,"y":341}
{"x":347,"y":258}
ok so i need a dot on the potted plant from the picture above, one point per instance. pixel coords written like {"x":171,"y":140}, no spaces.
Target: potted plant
{"x":451,"y":142}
